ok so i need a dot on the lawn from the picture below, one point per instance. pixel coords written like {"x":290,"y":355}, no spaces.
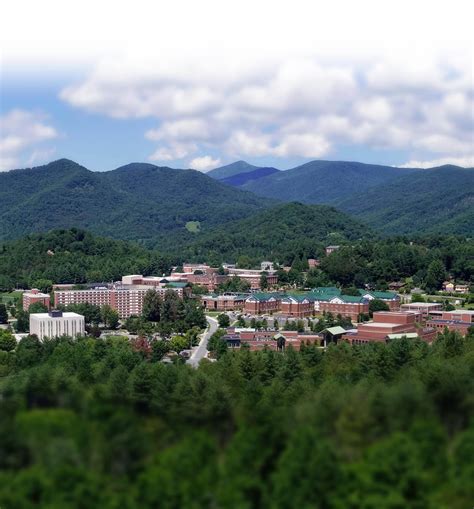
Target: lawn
{"x":193,"y":226}
{"x":9,"y":296}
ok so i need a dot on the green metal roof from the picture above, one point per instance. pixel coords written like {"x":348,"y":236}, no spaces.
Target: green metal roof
{"x":379,"y":295}
{"x":350,"y":298}
{"x":176,"y":285}
{"x":300,"y":298}
{"x":262,"y":297}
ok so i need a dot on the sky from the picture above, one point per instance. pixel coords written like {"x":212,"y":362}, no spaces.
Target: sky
{"x":201,"y":84}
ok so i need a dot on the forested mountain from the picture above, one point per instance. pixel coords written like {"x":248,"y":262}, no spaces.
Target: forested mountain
{"x":324,"y":182}
{"x":392,"y":200}
{"x":231,"y":169}
{"x":137,"y":201}
{"x":438,"y":200}
{"x":241,"y":178}
{"x":73,"y":256}
{"x":282,"y":233}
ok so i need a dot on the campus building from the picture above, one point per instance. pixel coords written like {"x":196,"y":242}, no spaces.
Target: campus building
{"x":459,"y":320}
{"x":423,"y":307}
{"x":390,"y":298}
{"x":270,"y":339}
{"x":56,"y":323}
{"x":33,"y":296}
{"x":225,"y":302}
{"x":350,"y":306}
{"x":126,"y":299}
{"x":262,"y":303}
{"x":298,"y":306}
{"x":389,"y":325}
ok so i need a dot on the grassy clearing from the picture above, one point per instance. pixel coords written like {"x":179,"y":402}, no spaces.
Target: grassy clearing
{"x":193,"y":226}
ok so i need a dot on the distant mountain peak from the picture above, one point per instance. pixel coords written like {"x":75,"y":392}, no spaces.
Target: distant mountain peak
{"x":231,"y":169}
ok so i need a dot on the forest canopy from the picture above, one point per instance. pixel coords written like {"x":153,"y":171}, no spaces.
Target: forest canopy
{"x":98,"y":424}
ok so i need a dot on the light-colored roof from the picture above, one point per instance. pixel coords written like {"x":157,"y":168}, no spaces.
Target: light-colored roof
{"x":65,"y":314}
{"x":381,"y":324}
{"x":379,"y":295}
{"x":335,"y":330}
{"x":422,"y":304}
{"x":408,"y":335}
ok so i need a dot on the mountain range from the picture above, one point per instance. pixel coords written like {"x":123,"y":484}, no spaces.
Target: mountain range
{"x":168,"y":207}
{"x":138,"y":201}
{"x":389,"y":199}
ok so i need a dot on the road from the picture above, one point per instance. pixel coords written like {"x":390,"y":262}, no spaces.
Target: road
{"x":201,"y":351}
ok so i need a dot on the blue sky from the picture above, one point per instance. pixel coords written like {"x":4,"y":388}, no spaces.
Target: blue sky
{"x":199,"y":91}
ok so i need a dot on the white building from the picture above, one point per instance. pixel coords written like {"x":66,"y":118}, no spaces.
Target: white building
{"x":56,"y":323}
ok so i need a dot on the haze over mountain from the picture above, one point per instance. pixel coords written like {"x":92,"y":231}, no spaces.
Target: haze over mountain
{"x":324,"y":181}
{"x":137,"y":201}
{"x":231,"y":169}
{"x":242,"y":178}
{"x":391,"y":200}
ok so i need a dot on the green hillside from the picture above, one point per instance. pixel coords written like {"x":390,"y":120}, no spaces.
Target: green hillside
{"x":73,"y":256}
{"x":324,"y":182}
{"x":280,"y":233}
{"x":137,"y":201}
{"x":438,"y":200}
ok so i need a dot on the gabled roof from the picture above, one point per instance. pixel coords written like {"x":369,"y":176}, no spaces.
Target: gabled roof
{"x":299,"y":298}
{"x":379,"y":295}
{"x":350,"y":299}
{"x":263,"y":297}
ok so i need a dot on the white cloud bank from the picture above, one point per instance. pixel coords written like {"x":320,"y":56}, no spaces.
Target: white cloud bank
{"x":21,"y":135}
{"x":293,"y":108}
{"x":204,"y":163}
{"x":275,"y":79}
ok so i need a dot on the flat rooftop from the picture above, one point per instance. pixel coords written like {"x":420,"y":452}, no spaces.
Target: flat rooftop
{"x":65,"y":314}
{"x":381,"y":324}
{"x":422,"y":304}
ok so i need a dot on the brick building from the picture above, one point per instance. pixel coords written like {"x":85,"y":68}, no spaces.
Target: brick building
{"x":459,"y":320}
{"x":350,"y":306}
{"x":261,"y":303}
{"x":225,"y":302}
{"x":269,"y":339}
{"x":299,"y":306}
{"x":33,"y":296}
{"x":390,"y":298}
{"x":127,"y":300}
{"x":388,"y":325}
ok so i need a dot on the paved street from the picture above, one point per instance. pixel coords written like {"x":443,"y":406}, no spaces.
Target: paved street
{"x":201,"y":351}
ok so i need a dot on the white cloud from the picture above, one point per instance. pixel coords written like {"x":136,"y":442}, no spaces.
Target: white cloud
{"x":21,"y":133}
{"x":204,"y":163}
{"x":466,"y":162}
{"x":172,"y":152}
{"x":287,"y":107}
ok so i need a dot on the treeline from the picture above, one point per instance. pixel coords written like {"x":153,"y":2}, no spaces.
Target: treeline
{"x":97,"y":423}
{"x":426,"y":260}
{"x":73,"y":256}
{"x":76,"y":256}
